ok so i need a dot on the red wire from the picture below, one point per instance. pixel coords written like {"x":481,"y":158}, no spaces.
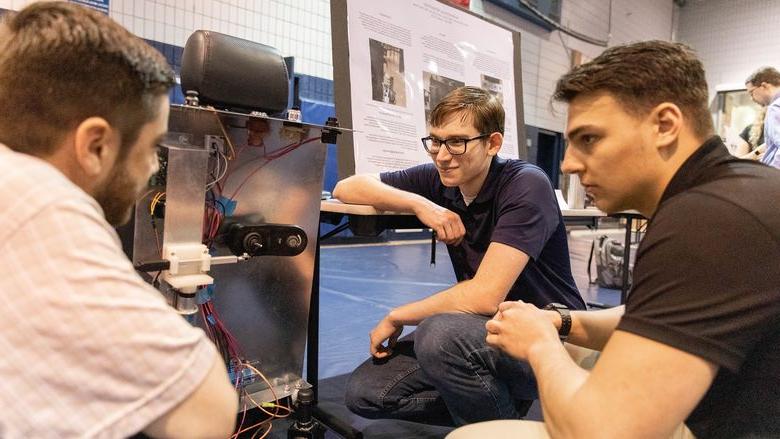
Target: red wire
{"x":231,"y":170}
{"x":270,"y":157}
{"x":213,"y":219}
{"x":240,"y":186}
{"x":253,"y":426}
{"x":233,"y":346}
{"x":157,"y":241}
{"x":243,"y":418}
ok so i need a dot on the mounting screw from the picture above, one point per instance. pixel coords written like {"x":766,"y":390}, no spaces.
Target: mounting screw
{"x":253,"y":243}
{"x":294,"y":241}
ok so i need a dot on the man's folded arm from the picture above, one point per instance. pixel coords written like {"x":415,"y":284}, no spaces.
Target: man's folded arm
{"x":209,"y":412}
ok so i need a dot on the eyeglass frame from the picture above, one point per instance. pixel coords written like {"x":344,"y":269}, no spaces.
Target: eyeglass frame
{"x":751,"y":90}
{"x":447,"y":146}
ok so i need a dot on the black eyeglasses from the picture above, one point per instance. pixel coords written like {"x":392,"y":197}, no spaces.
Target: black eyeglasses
{"x":454,"y":146}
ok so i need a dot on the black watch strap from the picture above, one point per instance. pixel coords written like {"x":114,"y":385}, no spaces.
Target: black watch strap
{"x":563,"y":332}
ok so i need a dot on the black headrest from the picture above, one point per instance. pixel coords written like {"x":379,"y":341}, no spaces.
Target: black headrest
{"x":230,"y":72}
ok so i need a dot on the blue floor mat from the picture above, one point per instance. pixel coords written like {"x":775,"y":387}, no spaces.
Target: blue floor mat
{"x":359,"y":284}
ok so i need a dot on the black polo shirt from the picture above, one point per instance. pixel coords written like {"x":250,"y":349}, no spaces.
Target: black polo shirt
{"x":517,"y":207}
{"x":707,"y":281}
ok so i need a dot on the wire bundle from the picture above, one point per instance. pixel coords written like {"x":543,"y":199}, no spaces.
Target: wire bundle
{"x":231,"y":353}
{"x":217,"y":208}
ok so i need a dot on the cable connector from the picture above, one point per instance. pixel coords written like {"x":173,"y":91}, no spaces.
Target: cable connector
{"x":330,"y":136}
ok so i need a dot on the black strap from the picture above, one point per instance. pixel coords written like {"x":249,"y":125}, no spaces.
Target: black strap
{"x":433,"y":248}
{"x":590,"y":260}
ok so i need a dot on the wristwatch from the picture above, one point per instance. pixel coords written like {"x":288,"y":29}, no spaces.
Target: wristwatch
{"x":563,"y":332}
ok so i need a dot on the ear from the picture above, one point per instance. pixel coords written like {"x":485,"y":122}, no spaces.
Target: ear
{"x":96,"y":145}
{"x":496,"y":140}
{"x":667,"y":120}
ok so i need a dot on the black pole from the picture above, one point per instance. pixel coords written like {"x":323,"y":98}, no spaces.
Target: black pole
{"x":626,"y":258}
{"x":313,"y":334}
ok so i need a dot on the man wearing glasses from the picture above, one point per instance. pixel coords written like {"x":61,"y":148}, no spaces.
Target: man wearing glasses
{"x":764,"y":88}
{"x":507,"y":241}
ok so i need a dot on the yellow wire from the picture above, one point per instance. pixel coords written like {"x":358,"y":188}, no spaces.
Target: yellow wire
{"x":224,"y":133}
{"x":156,"y":199}
{"x":260,"y":406}
{"x":270,"y":387}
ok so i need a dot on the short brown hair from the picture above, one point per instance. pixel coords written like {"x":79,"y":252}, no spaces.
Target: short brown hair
{"x":641,"y":76}
{"x":770,"y":75}
{"x":61,"y":63}
{"x":483,"y":108}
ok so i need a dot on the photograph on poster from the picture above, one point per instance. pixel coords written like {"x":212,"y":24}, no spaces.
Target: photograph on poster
{"x":435,"y":87}
{"x":405,"y":56}
{"x":493,"y":86}
{"x":387,"y":73}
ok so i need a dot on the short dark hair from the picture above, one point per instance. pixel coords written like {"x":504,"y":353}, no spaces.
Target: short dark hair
{"x":642,"y":75}
{"x":483,"y":108}
{"x":61,"y":63}
{"x":770,"y":75}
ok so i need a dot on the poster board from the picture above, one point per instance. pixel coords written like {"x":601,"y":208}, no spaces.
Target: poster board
{"x":394,"y":61}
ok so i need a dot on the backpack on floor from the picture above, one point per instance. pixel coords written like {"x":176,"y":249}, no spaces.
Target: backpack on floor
{"x":608,"y":254}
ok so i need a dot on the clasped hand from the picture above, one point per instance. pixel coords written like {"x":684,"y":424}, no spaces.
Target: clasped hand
{"x":517,"y":327}
{"x":446,"y":223}
{"x":385,"y":330}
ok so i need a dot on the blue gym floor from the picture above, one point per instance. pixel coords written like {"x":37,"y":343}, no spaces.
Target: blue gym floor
{"x":359,"y":284}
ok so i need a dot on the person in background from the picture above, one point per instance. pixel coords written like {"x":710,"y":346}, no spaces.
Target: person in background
{"x":506,"y":239}
{"x":697,"y":339}
{"x":751,"y":144}
{"x":90,"y":349}
{"x":764,"y":88}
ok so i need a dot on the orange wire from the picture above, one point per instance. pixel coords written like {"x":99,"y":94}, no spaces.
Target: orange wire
{"x":272,"y":416}
{"x":252,"y":426}
{"x":270,"y":426}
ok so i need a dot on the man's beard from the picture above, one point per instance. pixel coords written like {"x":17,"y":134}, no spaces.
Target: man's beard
{"x":118,"y":196}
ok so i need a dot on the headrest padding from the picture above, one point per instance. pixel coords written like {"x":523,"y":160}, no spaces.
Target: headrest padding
{"x":233,"y":73}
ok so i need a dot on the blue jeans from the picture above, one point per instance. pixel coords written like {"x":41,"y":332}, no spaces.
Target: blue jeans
{"x":443,"y":366}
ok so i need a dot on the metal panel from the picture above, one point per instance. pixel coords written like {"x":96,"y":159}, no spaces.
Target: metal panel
{"x":264,"y":301}
{"x":187,"y":169}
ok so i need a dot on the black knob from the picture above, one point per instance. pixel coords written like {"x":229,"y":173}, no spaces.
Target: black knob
{"x":253,"y":243}
{"x":305,"y":402}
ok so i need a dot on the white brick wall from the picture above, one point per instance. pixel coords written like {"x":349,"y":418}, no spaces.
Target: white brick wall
{"x":636,"y":20}
{"x":732,"y":37}
{"x":545,"y":55}
{"x":728,"y":34}
{"x":299,"y":28}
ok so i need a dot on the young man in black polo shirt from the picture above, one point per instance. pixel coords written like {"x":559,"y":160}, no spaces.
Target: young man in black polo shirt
{"x":697,"y":341}
{"x":507,"y":241}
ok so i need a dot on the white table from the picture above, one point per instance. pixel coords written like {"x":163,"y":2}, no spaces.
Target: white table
{"x":334,"y":207}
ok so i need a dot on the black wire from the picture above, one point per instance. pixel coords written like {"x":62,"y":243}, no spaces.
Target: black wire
{"x":563,"y":28}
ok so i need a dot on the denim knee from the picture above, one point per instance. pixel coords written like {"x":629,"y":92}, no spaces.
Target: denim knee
{"x":436,"y":336}
{"x":360,"y":397}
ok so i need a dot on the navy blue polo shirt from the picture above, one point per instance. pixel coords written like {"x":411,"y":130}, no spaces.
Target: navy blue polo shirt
{"x":516,"y":207}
